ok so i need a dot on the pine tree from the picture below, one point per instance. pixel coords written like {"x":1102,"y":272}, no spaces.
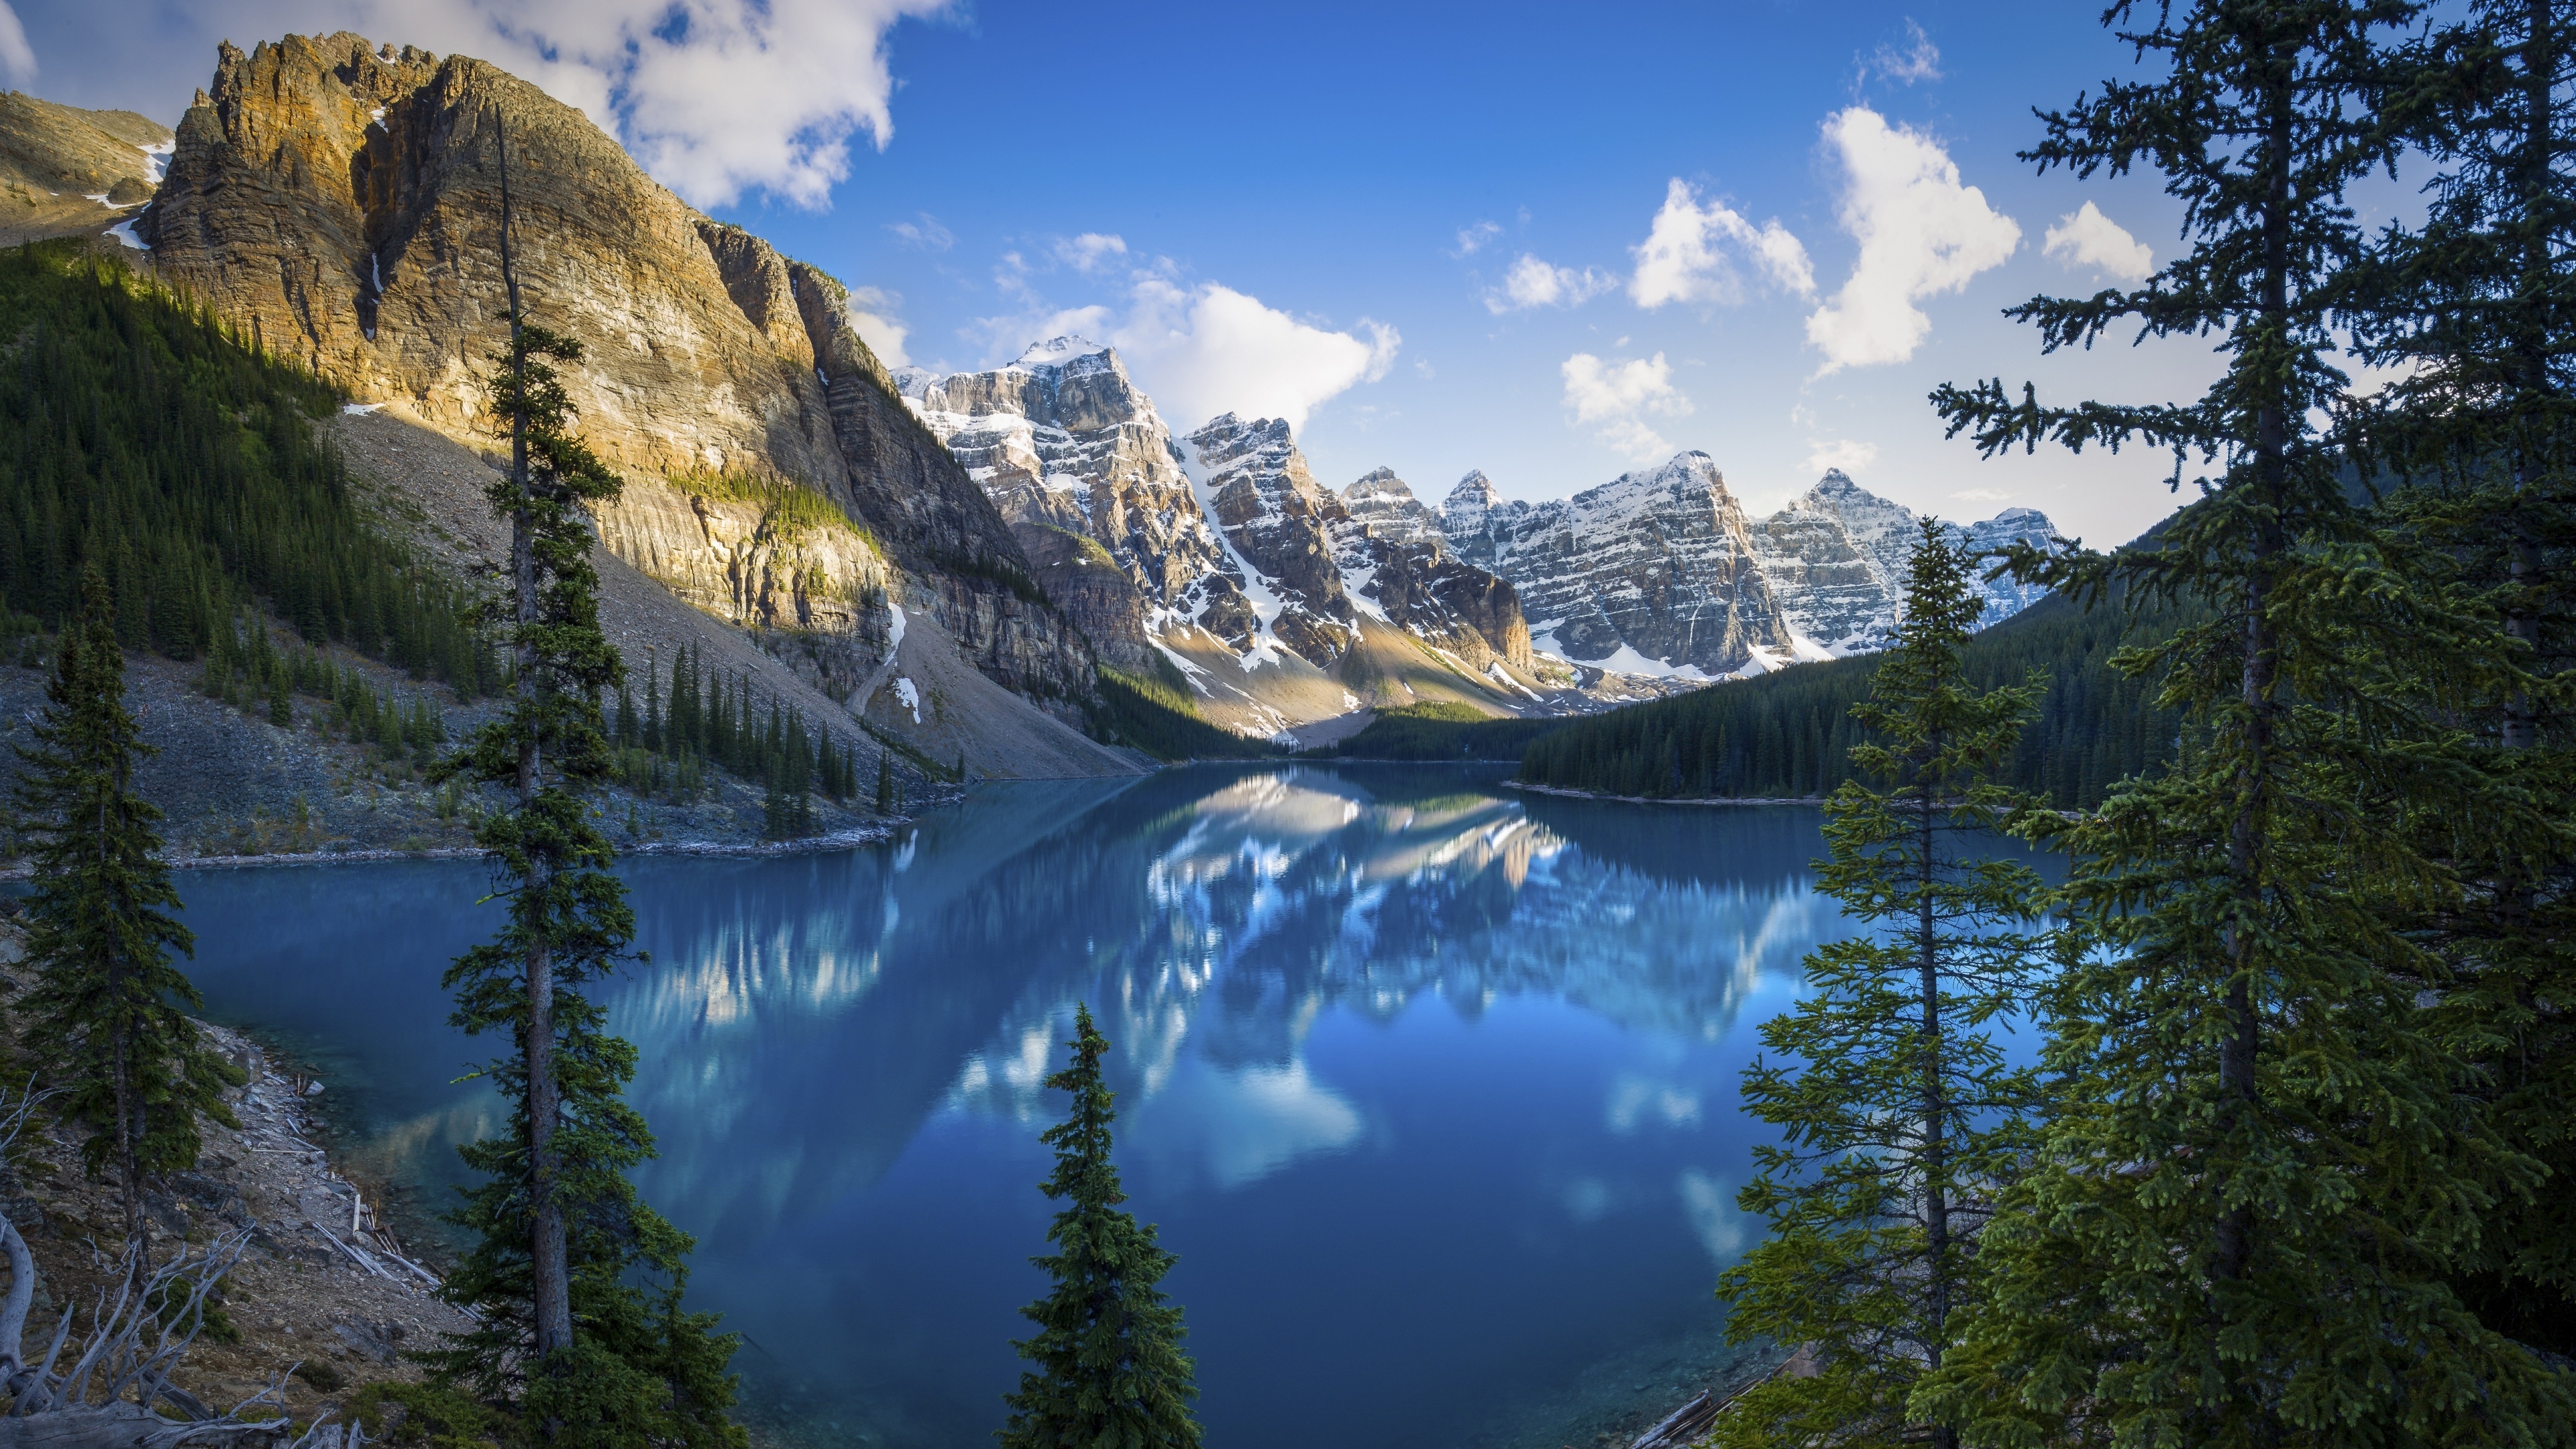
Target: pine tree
{"x":103,"y":1023}
{"x":2472,"y":315}
{"x":2258,"y":1169}
{"x":565,"y":1331}
{"x":885,"y":781}
{"x":1905,"y":1121}
{"x":1108,"y":1367}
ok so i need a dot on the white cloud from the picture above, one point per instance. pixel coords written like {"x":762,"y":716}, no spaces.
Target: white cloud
{"x":1533,"y":283}
{"x":1921,"y":233}
{"x":716,"y":98}
{"x":1844,"y":453}
{"x":1619,"y":396}
{"x":1210,"y":349}
{"x":1713,"y":1216}
{"x":1090,"y":251}
{"x":1981,"y":495}
{"x":872,"y":317}
{"x":925,"y":232}
{"x":1680,"y":259}
{"x":2087,"y":238}
{"x":17,"y":58}
{"x":1472,"y":239}
{"x":1918,"y":61}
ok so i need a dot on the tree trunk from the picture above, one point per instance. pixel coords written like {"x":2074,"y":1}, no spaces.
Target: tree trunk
{"x":550,"y":1271}
{"x":2248,"y":833}
{"x":1936,"y":1173}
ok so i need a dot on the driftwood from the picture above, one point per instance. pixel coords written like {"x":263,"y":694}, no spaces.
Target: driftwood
{"x":1691,"y":1422}
{"x":132,"y":1348}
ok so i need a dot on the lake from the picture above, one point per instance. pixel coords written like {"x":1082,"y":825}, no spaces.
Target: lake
{"x":1431,"y":1084}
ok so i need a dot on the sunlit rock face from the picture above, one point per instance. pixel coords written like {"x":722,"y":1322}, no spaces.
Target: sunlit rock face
{"x":339,"y":202}
{"x":1661,"y":572}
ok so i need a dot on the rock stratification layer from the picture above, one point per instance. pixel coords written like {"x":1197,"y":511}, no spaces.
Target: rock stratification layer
{"x":341,"y":201}
{"x":1656,"y":571}
{"x":1661,"y":572}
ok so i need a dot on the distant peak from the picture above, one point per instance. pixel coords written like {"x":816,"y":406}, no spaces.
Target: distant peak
{"x":1057,"y":350}
{"x":1836,"y":478}
{"x":1476,"y":486}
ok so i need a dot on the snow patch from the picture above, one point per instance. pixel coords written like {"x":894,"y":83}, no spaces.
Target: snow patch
{"x":895,"y":629}
{"x":156,"y":159}
{"x":1267,"y":606}
{"x":910,"y":694}
{"x":1056,"y":351}
{"x":358,"y":410}
{"x":124,"y":231}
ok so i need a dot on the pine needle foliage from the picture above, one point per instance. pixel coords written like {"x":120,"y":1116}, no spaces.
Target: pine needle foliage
{"x":2259,"y":1168}
{"x":568,"y":1333}
{"x":1107,"y":1367}
{"x":1903,"y":1120}
{"x":2475,"y":313}
{"x":104,"y":1022}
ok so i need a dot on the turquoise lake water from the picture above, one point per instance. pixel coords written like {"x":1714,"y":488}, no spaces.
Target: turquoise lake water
{"x":1430,"y":1083}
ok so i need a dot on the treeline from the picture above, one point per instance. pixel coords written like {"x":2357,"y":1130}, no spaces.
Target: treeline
{"x":1158,"y":717}
{"x":666,"y":742}
{"x":1789,"y":734}
{"x":143,"y":436}
{"x":1439,"y":731}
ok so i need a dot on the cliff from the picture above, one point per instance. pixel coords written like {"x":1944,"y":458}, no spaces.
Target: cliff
{"x":341,"y":202}
{"x":65,"y":171}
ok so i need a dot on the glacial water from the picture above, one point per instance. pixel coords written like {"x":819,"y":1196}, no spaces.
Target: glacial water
{"x":1431,"y":1084}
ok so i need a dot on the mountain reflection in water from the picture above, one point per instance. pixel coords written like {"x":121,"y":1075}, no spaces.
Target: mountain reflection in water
{"x":1431,"y":1084}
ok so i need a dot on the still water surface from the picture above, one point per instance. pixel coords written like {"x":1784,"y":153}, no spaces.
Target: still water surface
{"x":1430,"y":1084}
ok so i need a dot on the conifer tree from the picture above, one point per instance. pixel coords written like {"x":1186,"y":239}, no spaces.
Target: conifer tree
{"x":103,"y":1022}
{"x":1905,"y":1120}
{"x":2475,"y":312}
{"x":564,"y":1330}
{"x":1107,"y":1366}
{"x":2258,"y":1170}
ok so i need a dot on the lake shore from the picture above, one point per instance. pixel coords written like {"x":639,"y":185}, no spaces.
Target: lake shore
{"x":807,"y":845}
{"x":1565,"y":794}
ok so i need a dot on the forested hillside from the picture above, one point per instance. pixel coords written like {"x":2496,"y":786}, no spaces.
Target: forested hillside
{"x":139,"y":435}
{"x":1790,"y":734}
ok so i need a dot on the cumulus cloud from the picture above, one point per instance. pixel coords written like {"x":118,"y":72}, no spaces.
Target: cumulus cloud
{"x":1917,"y":60}
{"x":924,"y":231}
{"x":872,"y":317}
{"x":1472,"y":239}
{"x":1618,"y":397}
{"x":1844,"y":453}
{"x":2087,"y":238}
{"x":1534,"y":283}
{"x":1209,"y":349}
{"x":1090,"y":251}
{"x":1683,"y":259}
{"x":1713,"y":1216}
{"x":1921,"y":233}
{"x":17,"y":58}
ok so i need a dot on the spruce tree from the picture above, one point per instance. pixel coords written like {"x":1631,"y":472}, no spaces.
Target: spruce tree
{"x":567,"y":1331}
{"x":1904,"y":1121}
{"x":2258,"y":1169}
{"x":2475,"y":311}
{"x":1107,"y":1367}
{"x":103,"y":1023}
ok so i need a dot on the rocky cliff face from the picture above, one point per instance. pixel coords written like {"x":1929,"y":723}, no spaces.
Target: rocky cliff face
{"x":1660,"y":572}
{"x":340,"y":200}
{"x":1656,"y":572}
{"x":65,"y":171}
{"x":1312,"y":572}
{"x":1228,"y":533}
{"x":1382,"y":503}
{"x":1063,"y":442}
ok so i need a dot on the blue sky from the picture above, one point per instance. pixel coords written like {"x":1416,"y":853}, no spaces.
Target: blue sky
{"x":1552,"y":243}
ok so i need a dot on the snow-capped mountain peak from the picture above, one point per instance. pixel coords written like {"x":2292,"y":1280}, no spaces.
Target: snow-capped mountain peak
{"x":1057,"y":351}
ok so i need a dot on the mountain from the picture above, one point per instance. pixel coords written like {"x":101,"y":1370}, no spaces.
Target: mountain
{"x":1660,"y":572}
{"x":1382,"y":502}
{"x":69,"y":172}
{"x":1217,"y":561}
{"x":339,"y":203}
{"x":1655,"y":572}
{"x":1072,"y":453}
